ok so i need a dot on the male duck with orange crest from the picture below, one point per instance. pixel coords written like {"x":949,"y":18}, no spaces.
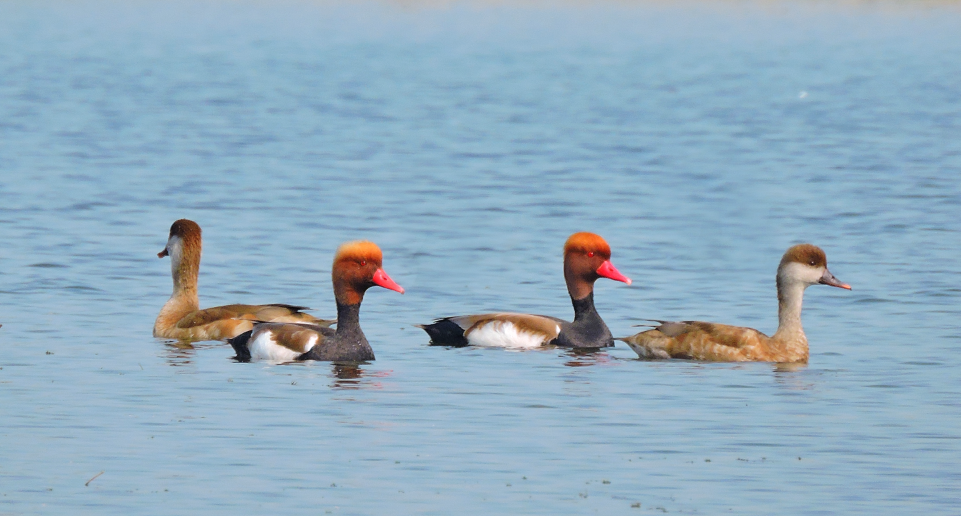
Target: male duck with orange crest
{"x":181,"y":317}
{"x":357,"y":267}
{"x":802,"y":266}
{"x":587,"y":258}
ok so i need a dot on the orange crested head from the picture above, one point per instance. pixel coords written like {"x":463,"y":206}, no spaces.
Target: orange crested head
{"x":806,"y":254}
{"x":357,"y":267}
{"x":587,"y":243}
{"x":359,"y":251}
{"x":587,"y":257}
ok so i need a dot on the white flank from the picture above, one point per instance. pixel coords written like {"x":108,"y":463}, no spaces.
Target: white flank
{"x":311,"y":343}
{"x":504,"y":334}
{"x":175,"y":250}
{"x":262,"y":346}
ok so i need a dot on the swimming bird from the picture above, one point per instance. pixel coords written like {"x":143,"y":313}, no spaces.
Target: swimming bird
{"x":357,"y":267}
{"x":587,"y":257}
{"x":803,"y":265}
{"x":181,"y":317}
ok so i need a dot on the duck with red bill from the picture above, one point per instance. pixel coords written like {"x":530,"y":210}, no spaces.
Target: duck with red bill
{"x":357,"y":267}
{"x":587,"y":258}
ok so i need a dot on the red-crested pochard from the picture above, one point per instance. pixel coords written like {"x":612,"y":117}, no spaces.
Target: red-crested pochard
{"x":357,"y":267}
{"x":181,"y":317}
{"x":587,"y":257}
{"x":802,"y":266}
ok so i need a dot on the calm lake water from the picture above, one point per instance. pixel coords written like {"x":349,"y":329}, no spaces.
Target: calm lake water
{"x":469,"y":140}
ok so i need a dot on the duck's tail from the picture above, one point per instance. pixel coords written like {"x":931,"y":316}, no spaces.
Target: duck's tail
{"x":239,"y":343}
{"x":444,"y":332}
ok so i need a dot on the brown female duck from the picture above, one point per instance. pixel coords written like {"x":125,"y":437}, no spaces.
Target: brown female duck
{"x":181,"y":317}
{"x":802,"y":266}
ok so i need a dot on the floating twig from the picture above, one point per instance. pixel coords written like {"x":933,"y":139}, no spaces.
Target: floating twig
{"x":92,"y":479}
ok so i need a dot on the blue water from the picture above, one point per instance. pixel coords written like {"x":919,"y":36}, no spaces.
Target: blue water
{"x":469,"y":140}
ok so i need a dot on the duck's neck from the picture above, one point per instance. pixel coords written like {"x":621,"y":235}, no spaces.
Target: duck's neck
{"x":184,"y":298}
{"x":348,"y":342}
{"x":577,"y":286}
{"x":588,"y":329}
{"x":790,"y":296}
{"x":348,"y":320}
{"x":584,"y":309}
{"x":186,"y":291}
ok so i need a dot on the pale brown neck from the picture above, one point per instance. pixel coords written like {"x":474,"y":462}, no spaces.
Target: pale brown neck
{"x":185,"y":277}
{"x":182,"y":302}
{"x":184,"y":268}
{"x":790,"y":297}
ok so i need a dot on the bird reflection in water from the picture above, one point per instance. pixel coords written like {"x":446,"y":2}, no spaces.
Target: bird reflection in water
{"x":792,"y":376}
{"x":351,"y":376}
{"x":180,"y":353}
{"x":586,"y":357}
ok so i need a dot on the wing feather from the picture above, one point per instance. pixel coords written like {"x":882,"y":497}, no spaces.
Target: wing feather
{"x":700,"y":341}
{"x":295,"y":337}
{"x":273,"y":312}
{"x":454,"y":331}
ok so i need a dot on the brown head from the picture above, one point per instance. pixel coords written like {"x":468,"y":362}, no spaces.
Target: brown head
{"x":808,"y":264}
{"x":183,"y":247}
{"x":357,"y":267}
{"x":587,"y":257}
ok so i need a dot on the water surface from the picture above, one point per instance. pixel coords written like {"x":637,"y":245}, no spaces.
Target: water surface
{"x":469,"y":140}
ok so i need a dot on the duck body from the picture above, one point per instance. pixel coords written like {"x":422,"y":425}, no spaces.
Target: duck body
{"x":224,"y":322}
{"x":504,"y":329}
{"x":801,"y":266}
{"x":357,"y":267}
{"x":181,"y":317}
{"x":706,"y":341}
{"x":586,"y":259}
{"x":278,"y":342}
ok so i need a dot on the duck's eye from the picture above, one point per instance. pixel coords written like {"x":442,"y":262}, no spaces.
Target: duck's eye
{"x":812,"y":263}
{"x":364,"y":263}
{"x":590,"y":254}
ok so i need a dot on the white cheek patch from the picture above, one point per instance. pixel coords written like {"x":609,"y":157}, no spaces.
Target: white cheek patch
{"x":795,"y":271}
{"x":175,"y":250}
{"x":504,"y":334}
{"x":262,"y":346}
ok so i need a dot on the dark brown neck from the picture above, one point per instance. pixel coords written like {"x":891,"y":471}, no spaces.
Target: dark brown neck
{"x":347,"y":294}
{"x":578,"y":286}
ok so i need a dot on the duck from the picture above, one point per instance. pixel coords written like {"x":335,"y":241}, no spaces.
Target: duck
{"x":357,"y":266}
{"x":801,"y":266}
{"x":587,"y":258}
{"x":181,"y":317}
